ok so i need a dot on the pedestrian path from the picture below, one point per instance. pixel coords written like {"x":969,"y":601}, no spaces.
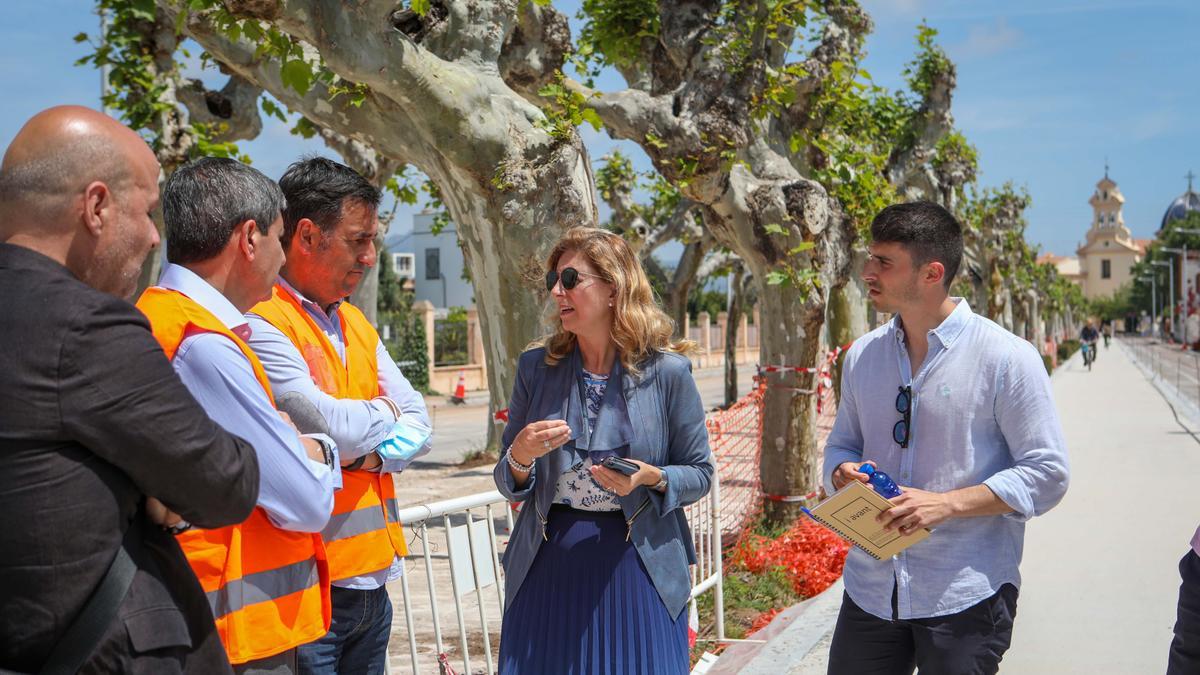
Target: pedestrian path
{"x":1099,"y":573}
{"x":1100,"y":577}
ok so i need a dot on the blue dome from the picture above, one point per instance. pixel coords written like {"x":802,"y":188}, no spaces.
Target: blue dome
{"x":1178,"y":210}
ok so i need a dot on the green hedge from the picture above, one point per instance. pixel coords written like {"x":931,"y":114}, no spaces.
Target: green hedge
{"x":1066,"y":348}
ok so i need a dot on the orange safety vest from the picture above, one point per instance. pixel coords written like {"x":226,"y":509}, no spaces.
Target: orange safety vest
{"x":363,"y":534}
{"x":268,"y":587}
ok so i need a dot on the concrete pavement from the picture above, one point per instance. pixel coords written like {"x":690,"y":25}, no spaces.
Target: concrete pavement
{"x":1100,"y":581}
{"x":1100,"y":578}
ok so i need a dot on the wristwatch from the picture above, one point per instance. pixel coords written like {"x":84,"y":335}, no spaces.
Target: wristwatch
{"x":661,"y":485}
{"x":326,"y":447}
{"x":178,"y":528}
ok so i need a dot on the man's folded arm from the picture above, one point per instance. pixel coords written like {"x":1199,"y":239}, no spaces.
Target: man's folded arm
{"x":294,"y":490}
{"x":356,"y":426}
{"x":411,"y":403}
{"x":120,"y":398}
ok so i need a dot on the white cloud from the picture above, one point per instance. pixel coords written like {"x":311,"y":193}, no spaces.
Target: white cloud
{"x":1154,"y":123}
{"x":905,"y":7}
{"x":1029,"y":113}
{"x":985,"y":40}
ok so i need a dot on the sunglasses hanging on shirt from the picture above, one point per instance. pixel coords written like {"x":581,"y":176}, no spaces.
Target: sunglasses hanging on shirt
{"x":904,"y":407}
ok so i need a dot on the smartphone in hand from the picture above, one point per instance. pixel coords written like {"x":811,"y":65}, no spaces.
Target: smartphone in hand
{"x":619,"y":465}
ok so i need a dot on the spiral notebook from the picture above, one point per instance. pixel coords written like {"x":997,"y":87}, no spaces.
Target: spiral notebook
{"x":851,"y":512}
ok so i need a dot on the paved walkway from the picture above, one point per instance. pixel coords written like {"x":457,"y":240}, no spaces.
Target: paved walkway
{"x":1100,"y":578}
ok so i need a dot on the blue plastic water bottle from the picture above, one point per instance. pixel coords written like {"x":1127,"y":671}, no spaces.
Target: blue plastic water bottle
{"x":882,"y":482}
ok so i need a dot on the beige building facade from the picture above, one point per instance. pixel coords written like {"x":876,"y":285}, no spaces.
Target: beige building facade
{"x":1104,"y":262}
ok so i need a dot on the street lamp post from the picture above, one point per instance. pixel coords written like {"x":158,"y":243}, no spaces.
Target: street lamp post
{"x":1182,"y":252}
{"x":1171,"y":284}
{"x":1153,"y":279}
{"x":1185,"y":280}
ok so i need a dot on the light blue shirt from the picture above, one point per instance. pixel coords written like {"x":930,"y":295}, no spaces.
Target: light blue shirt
{"x":295,"y":491}
{"x":357,"y":426}
{"x":982,"y":413}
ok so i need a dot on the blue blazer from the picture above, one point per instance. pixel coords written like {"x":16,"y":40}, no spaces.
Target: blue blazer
{"x":657,"y":418}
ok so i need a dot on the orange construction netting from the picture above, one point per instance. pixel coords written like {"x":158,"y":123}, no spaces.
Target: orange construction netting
{"x":735,"y":436}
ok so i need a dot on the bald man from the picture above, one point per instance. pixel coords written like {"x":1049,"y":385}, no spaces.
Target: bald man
{"x":93,"y":419}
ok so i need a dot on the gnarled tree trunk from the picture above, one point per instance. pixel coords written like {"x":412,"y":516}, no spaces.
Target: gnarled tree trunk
{"x":434,"y":98}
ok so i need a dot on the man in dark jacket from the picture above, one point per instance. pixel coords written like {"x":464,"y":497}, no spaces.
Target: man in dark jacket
{"x":93,"y":421}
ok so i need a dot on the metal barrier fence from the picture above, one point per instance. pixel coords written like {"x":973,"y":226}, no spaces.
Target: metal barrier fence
{"x":470,"y":568}
{"x":1169,"y":365}
{"x":470,"y":564}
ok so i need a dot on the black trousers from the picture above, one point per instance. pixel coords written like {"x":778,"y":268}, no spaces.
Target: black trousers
{"x":968,"y":642}
{"x":1184,"y":658}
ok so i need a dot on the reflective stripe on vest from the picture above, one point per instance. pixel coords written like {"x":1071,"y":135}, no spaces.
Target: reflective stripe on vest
{"x":360,"y":521}
{"x":268,"y":588}
{"x":263,"y":586}
{"x":362,"y":536}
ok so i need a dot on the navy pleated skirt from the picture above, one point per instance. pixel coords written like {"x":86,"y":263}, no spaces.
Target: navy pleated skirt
{"x":588,"y":607}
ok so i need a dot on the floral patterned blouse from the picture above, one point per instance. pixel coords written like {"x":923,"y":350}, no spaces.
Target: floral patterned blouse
{"x":576,"y":487}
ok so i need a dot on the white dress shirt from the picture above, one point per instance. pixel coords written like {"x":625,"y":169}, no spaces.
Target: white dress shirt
{"x":357,"y":426}
{"x":295,"y":491}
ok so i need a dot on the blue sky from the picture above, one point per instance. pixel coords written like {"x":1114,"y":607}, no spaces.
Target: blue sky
{"x":1047,"y":89}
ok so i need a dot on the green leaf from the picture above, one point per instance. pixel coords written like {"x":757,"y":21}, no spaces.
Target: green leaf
{"x":778,"y":278}
{"x":421,"y":7}
{"x":81,"y":37}
{"x":592,"y":117}
{"x":802,"y":247}
{"x":253,"y":31}
{"x":304,"y":128}
{"x":774,"y":228}
{"x":273,"y":110}
{"x":298,"y":75}
{"x":142,"y":9}
{"x":655,"y":141}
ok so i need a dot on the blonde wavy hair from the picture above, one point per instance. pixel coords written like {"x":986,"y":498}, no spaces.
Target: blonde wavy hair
{"x":639,"y":326}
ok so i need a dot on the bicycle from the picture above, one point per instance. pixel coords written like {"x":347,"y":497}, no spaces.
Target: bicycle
{"x":1089,"y":354}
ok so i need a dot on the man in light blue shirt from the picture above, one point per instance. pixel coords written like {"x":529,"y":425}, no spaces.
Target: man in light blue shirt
{"x":223,"y":259}
{"x":959,"y":412}
{"x":330,"y":227}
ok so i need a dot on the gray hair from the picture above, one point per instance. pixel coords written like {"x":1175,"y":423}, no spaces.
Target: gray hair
{"x":205,"y":200}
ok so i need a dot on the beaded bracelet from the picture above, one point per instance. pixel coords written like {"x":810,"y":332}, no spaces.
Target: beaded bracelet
{"x":523,"y":468}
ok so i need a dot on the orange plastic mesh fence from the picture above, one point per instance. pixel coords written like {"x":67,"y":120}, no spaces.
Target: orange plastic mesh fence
{"x":735,"y":436}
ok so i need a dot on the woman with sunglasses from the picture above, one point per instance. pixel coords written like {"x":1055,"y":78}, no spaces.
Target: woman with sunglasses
{"x":596,"y":570}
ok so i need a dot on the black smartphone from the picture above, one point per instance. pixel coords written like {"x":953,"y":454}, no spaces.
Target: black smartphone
{"x":620,"y":465}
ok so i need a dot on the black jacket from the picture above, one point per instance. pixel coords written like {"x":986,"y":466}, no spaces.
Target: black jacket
{"x":92,"y":419}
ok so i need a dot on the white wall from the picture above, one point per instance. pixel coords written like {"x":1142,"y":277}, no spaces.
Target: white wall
{"x":450,"y":290}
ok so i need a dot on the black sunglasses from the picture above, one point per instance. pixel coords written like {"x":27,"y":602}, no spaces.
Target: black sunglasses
{"x":570,"y":278}
{"x":904,"y":407}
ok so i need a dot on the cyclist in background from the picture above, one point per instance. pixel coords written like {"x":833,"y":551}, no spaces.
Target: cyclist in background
{"x":1088,"y":336}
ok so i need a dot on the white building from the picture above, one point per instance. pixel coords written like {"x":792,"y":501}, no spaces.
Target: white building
{"x":434,"y":263}
{"x":404,"y":266}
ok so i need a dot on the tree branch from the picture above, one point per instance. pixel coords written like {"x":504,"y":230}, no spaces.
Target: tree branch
{"x":361,"y":157}
{"x":378,"y":121}
{"x":362,"y":43}
{"x":841,"y":40}
{"x":535,"y":50}
{"x":232,"y":112}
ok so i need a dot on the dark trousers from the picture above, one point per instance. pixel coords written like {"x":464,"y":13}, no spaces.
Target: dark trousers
{"x":968,"y":642}
{"x":1185,"y":647}
{"x":356,"y":643}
